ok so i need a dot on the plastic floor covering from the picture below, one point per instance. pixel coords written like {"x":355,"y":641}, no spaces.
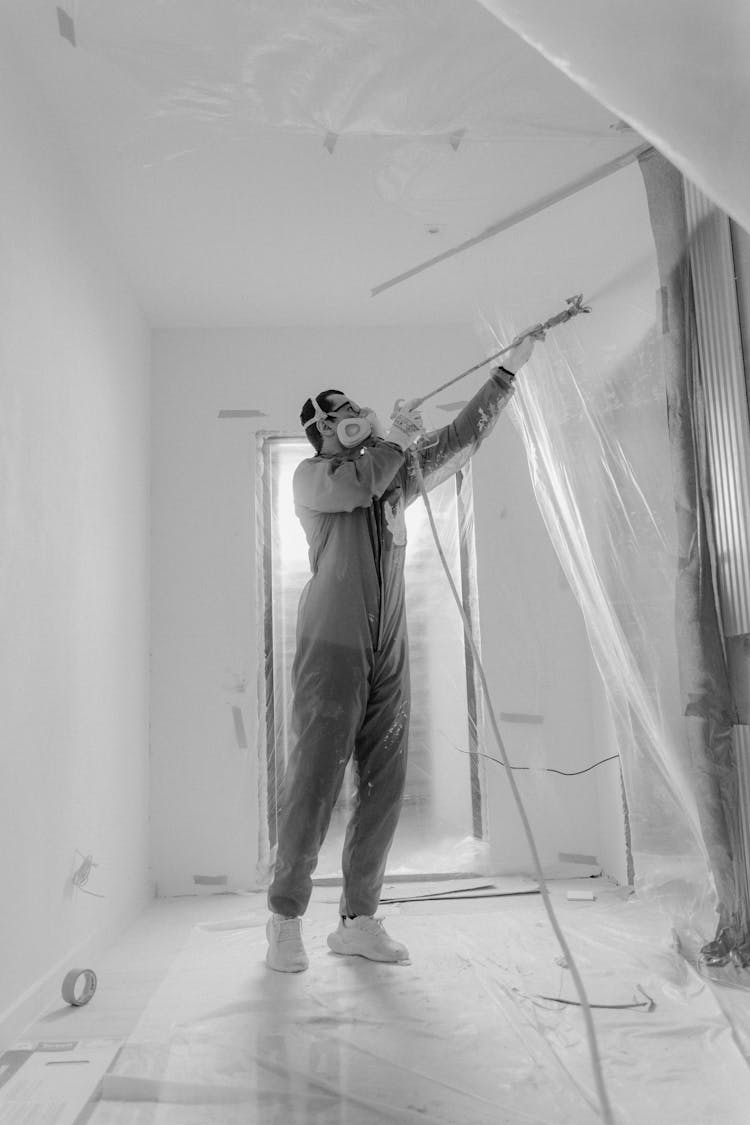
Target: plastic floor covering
{"x":461,"y":1035}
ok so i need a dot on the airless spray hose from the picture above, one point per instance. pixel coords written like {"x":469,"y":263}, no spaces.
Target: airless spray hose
{"x":575,"y":307}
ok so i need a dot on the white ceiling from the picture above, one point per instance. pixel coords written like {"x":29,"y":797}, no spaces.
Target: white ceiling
{"x":261,"y":162}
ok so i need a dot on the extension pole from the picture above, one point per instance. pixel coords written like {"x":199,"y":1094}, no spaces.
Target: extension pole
{"x":575,"y":307}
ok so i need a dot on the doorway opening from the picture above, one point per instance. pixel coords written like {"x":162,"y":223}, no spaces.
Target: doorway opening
{"x":442,"y":827}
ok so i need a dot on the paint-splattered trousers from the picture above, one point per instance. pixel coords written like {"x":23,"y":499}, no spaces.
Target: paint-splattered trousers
{"x":346,"y":703}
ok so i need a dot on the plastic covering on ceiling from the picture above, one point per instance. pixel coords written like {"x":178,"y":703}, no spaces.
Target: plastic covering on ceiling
{"x":419,"y":68}
{"x":427,"y":77}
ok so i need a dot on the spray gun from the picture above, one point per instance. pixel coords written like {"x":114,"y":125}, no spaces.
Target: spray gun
{"x":574,"y":307}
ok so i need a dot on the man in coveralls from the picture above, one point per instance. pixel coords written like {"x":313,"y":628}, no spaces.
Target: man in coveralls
{"x":350,"y":675}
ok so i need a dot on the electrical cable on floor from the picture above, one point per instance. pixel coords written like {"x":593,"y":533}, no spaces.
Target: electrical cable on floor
{"x":575,"y":974}
{"x":463,"y":893}
{"x":648,"y":1003}
{"x":459,"y":898}
{"x":540,"y":769}
{"x":571,"y":773}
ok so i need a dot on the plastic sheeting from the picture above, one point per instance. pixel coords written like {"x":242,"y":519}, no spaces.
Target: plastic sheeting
{"x":675,"y":70}
{"x":615,"y":447}
{"x":427,"y":77}
{"x":599,"y":453}
{"x":386,"y":68}
{"x":472,"y":1031}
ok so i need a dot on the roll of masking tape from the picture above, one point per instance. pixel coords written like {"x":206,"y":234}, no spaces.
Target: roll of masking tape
{"x":79,"y":986}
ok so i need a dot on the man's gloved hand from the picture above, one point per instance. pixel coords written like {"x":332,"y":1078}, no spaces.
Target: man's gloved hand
{"x":406,"y":424}
{"x":521,"y":349}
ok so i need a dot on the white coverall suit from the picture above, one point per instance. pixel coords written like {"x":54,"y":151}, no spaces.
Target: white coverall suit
{"x":350,"y":675}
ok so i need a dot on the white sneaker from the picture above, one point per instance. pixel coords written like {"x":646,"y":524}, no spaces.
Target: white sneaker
{"x":286,"y":953}
{"x":365,"y":937}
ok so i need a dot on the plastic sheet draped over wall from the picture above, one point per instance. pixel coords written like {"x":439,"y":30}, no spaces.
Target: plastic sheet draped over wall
{"x":598,"y":447}
{"x":619,"y":461}
{"x":675,"y":70}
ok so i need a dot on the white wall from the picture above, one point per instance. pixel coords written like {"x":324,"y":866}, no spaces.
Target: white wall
{"x":74,"y":568}
{"x":205,"y":630}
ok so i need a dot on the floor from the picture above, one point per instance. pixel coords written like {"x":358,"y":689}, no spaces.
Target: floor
{"x":188,"y":1027}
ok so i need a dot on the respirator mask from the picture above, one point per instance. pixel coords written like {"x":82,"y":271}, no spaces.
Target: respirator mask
{"x":351,"y":432}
